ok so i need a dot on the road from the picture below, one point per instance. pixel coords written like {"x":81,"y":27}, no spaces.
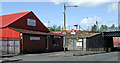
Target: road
{"x":112,"y":56}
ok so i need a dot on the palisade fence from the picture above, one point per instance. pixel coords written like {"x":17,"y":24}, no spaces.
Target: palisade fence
{"x":82,"y":45}
{"x":10,"y":45}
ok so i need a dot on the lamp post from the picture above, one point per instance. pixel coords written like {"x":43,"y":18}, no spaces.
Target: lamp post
{"x":65,"y":23}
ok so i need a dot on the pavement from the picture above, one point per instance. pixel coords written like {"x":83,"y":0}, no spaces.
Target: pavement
{"x":59,"y":53}
{"x":65,"y":56}
{"x":11,"y":59}
{"x":9,"y":55}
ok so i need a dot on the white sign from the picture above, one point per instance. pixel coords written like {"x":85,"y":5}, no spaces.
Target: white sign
{"x":31,"y":22}
{"x":79,"y":44}
{"x":73,"y":32}
{"x":80,"y":40}
{"x":57,"y":37}
{"x":34,"y":38}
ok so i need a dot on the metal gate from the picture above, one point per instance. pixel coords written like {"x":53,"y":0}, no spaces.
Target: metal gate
{"x":10,"y":45}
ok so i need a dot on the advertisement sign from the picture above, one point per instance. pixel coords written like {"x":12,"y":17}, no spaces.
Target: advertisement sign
{"x":116,"y":41}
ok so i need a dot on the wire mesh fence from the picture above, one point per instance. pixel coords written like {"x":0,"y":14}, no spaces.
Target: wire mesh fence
{"x":10,"y":45}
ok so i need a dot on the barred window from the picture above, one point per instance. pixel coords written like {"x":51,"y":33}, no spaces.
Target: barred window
{"x":56,"y":41}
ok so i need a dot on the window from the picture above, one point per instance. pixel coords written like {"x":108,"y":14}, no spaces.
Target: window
{"x":56,"y":41}
{"x":31,"y":22}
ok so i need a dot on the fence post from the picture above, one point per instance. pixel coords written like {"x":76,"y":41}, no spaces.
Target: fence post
{"x":7,"y":45}
{"x":14,"y":45}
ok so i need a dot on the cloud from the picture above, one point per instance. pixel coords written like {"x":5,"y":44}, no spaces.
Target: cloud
{"x":60,"y":1}
{"x":56,"y":1}
{"x":113,"y":8}
{"x":84,"y":3}
{"x":90,"y":21}
{"x":87,"y":22}
{"x":89,"y":3}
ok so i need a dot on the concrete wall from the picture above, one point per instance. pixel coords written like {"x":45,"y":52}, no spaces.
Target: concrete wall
{"x":84,"y":44}
{"x":74,"y":43}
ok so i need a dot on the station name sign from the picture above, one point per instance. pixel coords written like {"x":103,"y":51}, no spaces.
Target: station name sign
{"x":34,"y":38}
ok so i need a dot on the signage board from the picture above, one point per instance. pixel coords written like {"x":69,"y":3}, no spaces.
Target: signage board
{"x":80,"y":40}
{"x":57,"y":37}
{"x":78,"y":43}
{"x":64,"y":33}
{"x":116,"y":41}
{"x":73,"y":32}
{"x":31,"y":22}
{"x":34,"y":38}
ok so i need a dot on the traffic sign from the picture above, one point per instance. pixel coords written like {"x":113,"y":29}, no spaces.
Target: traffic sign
{"x":73,"y":32}
{"x":64,"y":33}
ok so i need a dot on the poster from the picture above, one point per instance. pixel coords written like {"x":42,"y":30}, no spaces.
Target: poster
{"x":116,"y":41}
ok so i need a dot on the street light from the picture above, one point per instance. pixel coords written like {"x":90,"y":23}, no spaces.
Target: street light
{"x":65,"y":22}
{"x":64,"y":14}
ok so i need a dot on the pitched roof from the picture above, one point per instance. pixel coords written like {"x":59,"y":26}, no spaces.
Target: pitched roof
{"x":32,"y":32}
{"x":7,"y":19}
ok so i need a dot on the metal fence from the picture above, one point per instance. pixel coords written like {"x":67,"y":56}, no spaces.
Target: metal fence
{"x":10,"y":45}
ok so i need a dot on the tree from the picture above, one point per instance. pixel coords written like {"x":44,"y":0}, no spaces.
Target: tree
{"x":119,"y":27}
{"x":112,"y":27}
{"x":55,"y":28}
{"x":94,"y":28}
{"x":58,"y":28}
{"x":103,"y":28}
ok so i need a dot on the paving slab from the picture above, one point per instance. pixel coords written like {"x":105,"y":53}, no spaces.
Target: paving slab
{"x":10,"y":59}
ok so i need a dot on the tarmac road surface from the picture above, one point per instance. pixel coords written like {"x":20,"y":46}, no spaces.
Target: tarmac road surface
{"x":112,"y":56}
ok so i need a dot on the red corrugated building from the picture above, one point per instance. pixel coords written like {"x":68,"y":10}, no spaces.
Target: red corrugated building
{"x":24,"y":33}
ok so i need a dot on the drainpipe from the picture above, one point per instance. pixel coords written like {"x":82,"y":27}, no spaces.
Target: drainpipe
{"x":47,"y":48}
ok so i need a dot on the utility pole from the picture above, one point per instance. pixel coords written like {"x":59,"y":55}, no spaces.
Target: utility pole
{"x":65,"y":24}
{"x":64,"y":29}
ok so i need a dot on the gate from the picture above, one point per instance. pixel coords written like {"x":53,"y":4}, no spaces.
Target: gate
{"x":10,"y":45}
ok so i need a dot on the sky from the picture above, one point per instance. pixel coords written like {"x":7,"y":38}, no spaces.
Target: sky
{"x":51,"y":12}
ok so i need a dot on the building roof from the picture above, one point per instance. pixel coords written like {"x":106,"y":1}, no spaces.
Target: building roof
{"x":8,"y":19}
{"x":32,"y":32}
{"x":80,"y":34}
